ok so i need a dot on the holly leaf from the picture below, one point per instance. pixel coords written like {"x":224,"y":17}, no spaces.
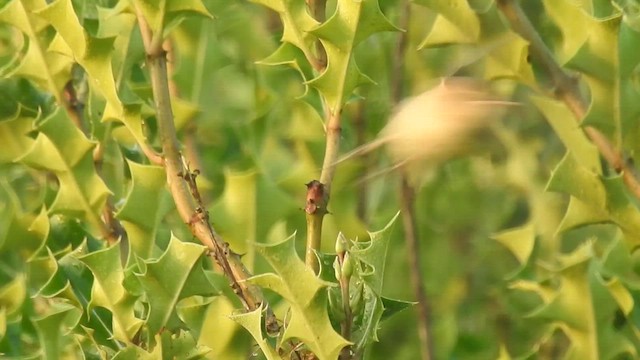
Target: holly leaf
{"x":297,"y":24}
{"x":109,"y":292}
{"x":520,"y":242}
{"x":170,"y":278}
{"x":49,"y":70}
{"x":92,"y":53}
{"x":583,"y":304}
{"x":601,"y":48}
{"x":160,"y":14}
{"x":53,"y":326}
{"x":456,"y":22}
{"x":62,"y":149}
{"x":605,"y":196}
{"x":373,"y":254}
{"x":306,"y":296}
{"x":252,"y":321}
{"x":350,"y":24}
{"x":247,"y":210}
{"x":143,"y":208}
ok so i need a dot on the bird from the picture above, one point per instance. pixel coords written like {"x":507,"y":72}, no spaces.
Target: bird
{"x":435,"y":126}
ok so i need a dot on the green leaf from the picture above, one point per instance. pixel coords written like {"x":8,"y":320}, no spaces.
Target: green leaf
{"x":584,"y":305}
{"x":26,"y":234}
{"x":608,"y":195}
{"x":481,"y":37}
{"x":305,"y":294}
{"x":620,"y":208}
{"x":43,"y":272}
{"x":20,"y":99}
{"x":132,"y":118}
{"x":373,"y":253}
{"x":184,"y":112}
{"x":142,"y":211}
{"x":576,"y":27}
{"x":117,"y":22}
{"x":12,"y":295}
{"x":580,"y":213}
{"x":192,"y":311}
{"x":571,"y":177}
{"x":456,"y":22}
{"x":53,"y":326}
{"x":108,"y":291}
{"x":393,"y":306}
{"x":159,"y":14}
{"x":602,"y":50}
{"x":520,"y":242}
{"x":57,"y":284}
{"x":62,"y":149}
{"x":352,"y":22}
{"x":133,"y":352}
{"x":230,"y":340}
{"x":252,"y":321}
{"x":48,"y":69}
{"x":249,"y":206}
{"x":93,"y":54}
{"x":290,"y":55}
{"x":567,"y":128}
{"x":367,"y":322}
{"x":297,"y":24}
{"x":507,"y":56}
{"x":171,"y":277}
{"x":182,"y":346}
{"x":96,"y":323}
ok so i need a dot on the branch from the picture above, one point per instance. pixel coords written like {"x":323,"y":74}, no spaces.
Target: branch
{"x":318,"y":191}
{"x":332,"y":149}
{"x":182,"y":184}
{"x":567,"y":90}
{"x":316,"y":209}
{"x":407,"y":201}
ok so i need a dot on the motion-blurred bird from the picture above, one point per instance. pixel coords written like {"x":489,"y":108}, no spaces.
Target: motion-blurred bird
{"x":436,"y":125}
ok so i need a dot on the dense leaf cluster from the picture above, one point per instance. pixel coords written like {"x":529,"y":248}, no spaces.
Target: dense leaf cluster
{"x":96,"y":262}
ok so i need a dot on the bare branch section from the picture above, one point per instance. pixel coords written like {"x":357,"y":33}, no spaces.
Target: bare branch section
{"x":316,"y":209}
{"x":318,"y":191}
{"x":182,"y":182}
{"x":423,"y":308}
{"x":567,"y":90}
{"x":323,"y":188}
{"x":407,"y":201}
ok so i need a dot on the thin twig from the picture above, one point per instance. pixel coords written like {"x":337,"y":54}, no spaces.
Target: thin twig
{"x":191,"y":128}
{"x":407,"y":200}
{"x":567,"y":90}
{"x":316,"y":209}
{"x":332,"y":148}
{"x":318,"y":191}
{"x":182,"y":185}
{"x":318,"y":195}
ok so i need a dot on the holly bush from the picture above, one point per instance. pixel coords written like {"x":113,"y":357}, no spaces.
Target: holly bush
{"x":154,"y":156}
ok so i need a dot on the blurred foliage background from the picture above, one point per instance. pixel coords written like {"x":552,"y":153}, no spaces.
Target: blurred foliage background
{"x":526,"y":251}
